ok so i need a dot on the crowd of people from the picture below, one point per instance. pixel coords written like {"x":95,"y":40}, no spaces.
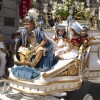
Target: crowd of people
{"x":7,"y":50}
{"x":33,"y":52}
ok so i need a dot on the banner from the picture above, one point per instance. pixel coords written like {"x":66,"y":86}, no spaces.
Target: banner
{"x":24,"y":6}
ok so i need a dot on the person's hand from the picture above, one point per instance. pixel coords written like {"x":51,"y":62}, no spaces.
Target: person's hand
{"x":23,"y":62}
{"x":60,"y":46}
{"x":36,"y":47}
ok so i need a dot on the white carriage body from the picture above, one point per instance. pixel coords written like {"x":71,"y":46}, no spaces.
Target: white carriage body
{"x":66,"y":75}
{"x":92,"y":72}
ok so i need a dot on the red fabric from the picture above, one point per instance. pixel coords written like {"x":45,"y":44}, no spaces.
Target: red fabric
{"x":85,"y":40}
{"x":24,"y":6}
{"x":75,"y":41}
{"x":56,"y":38}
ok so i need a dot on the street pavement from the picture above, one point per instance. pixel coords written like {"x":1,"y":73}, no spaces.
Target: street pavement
{"x":87,"y":87}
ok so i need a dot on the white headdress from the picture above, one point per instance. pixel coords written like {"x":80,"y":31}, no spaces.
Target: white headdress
{"x":33,"y":12}
{"x":32,"y":15}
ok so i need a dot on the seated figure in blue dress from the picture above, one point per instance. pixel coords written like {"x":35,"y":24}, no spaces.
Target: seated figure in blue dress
{"x":39,"y":51}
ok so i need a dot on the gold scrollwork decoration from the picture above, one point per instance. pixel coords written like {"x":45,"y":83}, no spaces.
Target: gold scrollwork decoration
{"x":73,"y":70}
{"x":64,"y":73}
{"x":85,"y":64}
{"x":93,"y":38}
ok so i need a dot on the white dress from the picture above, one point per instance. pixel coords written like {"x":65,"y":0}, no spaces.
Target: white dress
{"x":69,"y":55}
{"x":60,"y":50}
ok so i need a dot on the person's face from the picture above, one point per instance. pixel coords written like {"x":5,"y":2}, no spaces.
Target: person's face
{"x":60,"y":32}
{"x":83,"y":33}
{"x":28,"y":26}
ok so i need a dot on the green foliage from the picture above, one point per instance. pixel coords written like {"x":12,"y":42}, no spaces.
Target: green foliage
{"x":62,"y":13}
{"x":78,"y":12}
{"x":80,"y":15}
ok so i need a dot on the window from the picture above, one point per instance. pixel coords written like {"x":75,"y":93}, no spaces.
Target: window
{"x":9,"y":21}
{"x":0,"y":4}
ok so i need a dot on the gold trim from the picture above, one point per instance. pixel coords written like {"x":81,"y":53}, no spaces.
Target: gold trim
{"x":71,"y":71}
{"x":93,"y":77}
{"x":93,"y":38}
{"x":94,"y":70}
{"x":52,"y":91}
{"x":43,"y":84}
{"x":45,"y":75}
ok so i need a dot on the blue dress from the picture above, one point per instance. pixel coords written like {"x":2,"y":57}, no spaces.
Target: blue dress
{"x":45,"y":63}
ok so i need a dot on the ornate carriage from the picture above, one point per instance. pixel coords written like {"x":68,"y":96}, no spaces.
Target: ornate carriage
{"x":66,"y":75}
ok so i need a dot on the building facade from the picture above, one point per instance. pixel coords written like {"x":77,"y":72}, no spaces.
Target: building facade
{"x":9,"y":16}
{"x":9,"y":13}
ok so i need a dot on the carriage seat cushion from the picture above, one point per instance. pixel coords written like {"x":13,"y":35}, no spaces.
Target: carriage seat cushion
{"x":25,"y":72}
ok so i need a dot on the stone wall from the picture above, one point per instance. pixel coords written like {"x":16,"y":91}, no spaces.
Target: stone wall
{"x":10,"y":9}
